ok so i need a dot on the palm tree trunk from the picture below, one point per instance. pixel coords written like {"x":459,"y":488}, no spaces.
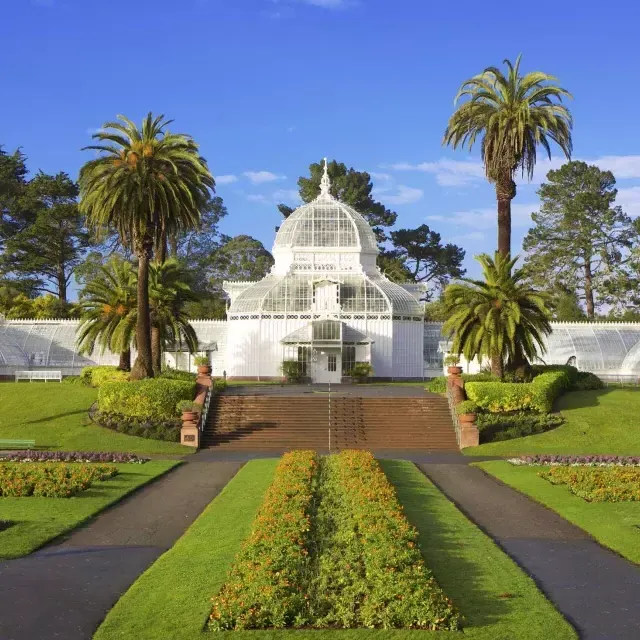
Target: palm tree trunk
{"x":125,"y":360}
{"x":505,"y":193}
{"x":161,"y":249}
{"x":156,"y":350}
{"x":143,"y":366}
{"x":497,"y":367}
{"x":173,"y":245}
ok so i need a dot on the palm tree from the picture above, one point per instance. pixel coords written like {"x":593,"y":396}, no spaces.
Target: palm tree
{"x":514,"y":114}
{"x":146,"y":184}
{"x":500,"y":317}
{"x":106,"y":304}
{"x":168,"y":293}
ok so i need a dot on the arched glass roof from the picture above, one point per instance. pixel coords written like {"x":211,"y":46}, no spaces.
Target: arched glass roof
{"x":357,"y":293}
{"x":602,"y":348}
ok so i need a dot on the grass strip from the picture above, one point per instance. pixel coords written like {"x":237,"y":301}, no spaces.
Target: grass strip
{"x":265,"y":586}
{"x":37,"y":520}
{"x":613,"y":524}
{"x":172,"y":599}
{"x":497,"y":599}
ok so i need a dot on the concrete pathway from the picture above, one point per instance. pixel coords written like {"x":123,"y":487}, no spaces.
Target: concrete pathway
{"x":65,"y":590}
{"x":595,"y":589}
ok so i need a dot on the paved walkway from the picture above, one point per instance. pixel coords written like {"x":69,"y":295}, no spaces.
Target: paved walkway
{"x":595,"y":589}
{"x":65,"y":590}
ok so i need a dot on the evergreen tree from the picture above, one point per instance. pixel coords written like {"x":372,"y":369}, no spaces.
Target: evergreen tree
{"x":581,"y":239}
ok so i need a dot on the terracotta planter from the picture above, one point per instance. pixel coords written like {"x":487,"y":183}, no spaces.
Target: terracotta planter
{"x":454,"y":371}
{"x":204,"y":369}
{"x":467,"y":418}
{"x":190,"y":416}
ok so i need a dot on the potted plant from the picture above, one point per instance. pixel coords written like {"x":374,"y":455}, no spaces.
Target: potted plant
{"x":452,"y":362}
{"x":190,"y":410}
{"x":361,"y":371}
{"x":466,"y":411}
{"x":204,"y":367}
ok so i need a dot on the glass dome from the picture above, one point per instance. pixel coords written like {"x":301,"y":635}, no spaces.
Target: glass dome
{"x":326,"y":223}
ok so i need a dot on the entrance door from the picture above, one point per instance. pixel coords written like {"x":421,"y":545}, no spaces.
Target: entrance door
{"x":328,"y":367}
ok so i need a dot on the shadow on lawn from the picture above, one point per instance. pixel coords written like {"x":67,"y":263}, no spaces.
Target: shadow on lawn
{"x":441,"y":541}
{"x":580,"y":399}
{"x":60,"y":415}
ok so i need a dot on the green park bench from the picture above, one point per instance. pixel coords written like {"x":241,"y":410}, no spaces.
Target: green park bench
{"x":17,"y":444}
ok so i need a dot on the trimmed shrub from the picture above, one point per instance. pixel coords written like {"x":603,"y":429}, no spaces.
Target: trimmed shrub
{"x":72,"y":380}
{"x":571,"y":372}
{"x":152,"y":399}
{"x":293,"y":370}
{"x":494,"y":427}
{"x":97,"y":376}
{"x":538,"y":395}
{"x":59,"y":480}
{"x":439,"y":384}
{"x":263,"y":586}
{"x":607,"y":484}
{"x":175,"y":374}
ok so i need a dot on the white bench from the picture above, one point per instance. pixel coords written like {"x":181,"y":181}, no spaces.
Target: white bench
{"x":38,"y":375}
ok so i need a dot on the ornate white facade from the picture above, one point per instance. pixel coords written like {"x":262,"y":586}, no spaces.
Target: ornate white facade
{"x":324,"y":304}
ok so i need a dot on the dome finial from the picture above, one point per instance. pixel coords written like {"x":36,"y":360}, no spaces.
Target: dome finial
{"x":325,"y":183}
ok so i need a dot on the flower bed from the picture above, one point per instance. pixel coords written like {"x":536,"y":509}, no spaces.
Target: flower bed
{"x":50,"y":480}
{"x":609,"y":484}
{"x":575,"y":461}
{"x":263,"y":587}
{"x":331,"y":548}
{"x":74,"y":456}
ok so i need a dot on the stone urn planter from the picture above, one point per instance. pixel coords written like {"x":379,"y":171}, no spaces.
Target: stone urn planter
{"x":190,"y":416}
{"x":204,"y":369}
{"x":454,"y":371}
{"x":467,"y":418}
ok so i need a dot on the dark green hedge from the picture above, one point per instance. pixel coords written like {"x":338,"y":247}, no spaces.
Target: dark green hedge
{"x":168,"y":430}
{"x":152,"y":399}
{"x":494,"y":427}
{"x":439,"y":384}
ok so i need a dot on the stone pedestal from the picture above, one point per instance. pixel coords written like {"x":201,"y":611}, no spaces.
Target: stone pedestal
{"x":190,"y":434}
{"x":469,"y":436}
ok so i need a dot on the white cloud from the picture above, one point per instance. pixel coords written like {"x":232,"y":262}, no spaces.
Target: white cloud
{"x":380,"y":176}
{"x":227,"y":179}
{"x":629,"y":200}
{"x":486,"y":217}
{"x":453,"y":173}
{"x":289,"y":196}
{"x":259,"y":177}
{"x":403,"y":195}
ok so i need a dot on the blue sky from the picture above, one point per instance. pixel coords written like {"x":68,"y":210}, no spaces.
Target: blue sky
{"x":269,"y":86}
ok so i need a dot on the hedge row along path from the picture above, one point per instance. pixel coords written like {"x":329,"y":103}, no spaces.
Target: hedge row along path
{"x":595,"y":589}
{"x":66,"y":589}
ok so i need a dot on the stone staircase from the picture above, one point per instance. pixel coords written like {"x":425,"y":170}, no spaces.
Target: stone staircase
{"x":263,"y":422}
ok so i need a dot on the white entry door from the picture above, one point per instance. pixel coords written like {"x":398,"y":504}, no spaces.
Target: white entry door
{"x":328,"y":367}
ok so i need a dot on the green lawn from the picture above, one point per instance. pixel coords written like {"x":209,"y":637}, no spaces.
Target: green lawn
{"x":55,"y":416}
{"x":613,"y":524}
{"x":172,"y":598}
{"x":39,"y":520}
{"x":604,"y":421}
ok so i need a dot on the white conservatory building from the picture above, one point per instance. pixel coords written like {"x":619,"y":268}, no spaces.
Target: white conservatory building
{"x":326,"y":305}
